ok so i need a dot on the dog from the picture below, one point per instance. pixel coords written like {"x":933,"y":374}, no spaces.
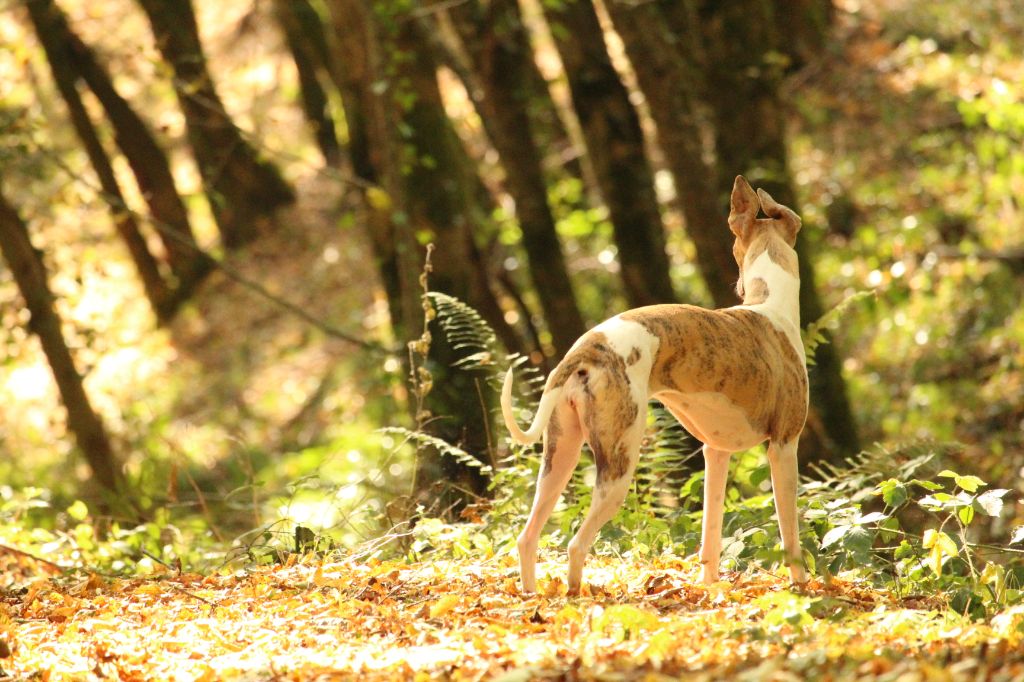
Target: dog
{"x":733,"y":377}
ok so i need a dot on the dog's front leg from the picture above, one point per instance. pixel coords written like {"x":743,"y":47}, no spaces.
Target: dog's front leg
{"x":716,"y":471}
{"x":783,"y":461}
{"x":563,"y":439}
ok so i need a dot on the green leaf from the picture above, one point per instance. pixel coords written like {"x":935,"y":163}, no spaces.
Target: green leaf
{"x":944,"y":501}
{"x":941,"y":546}
{"x":78,"y":510}
{"x":893,"y":492}
{"x":759,"y":475}
{"x":888,"y":528}
{"x":904,"y":551}
{"x":834,"y":535}
{"x":873,"y":517}
{"x":991,"y":501}
{"x":969,"y":483}
{"x":927,"y":485}
{"x":858,"y":542}
{"x":966,"y":515}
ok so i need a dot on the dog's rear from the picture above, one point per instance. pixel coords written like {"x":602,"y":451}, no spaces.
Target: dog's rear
{"x":587,"y":396}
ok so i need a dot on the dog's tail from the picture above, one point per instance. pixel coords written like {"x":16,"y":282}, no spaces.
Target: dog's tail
{"x":540,"y":421}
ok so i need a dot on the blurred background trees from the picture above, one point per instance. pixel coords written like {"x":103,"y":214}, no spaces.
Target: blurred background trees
{"x":567,"y":158}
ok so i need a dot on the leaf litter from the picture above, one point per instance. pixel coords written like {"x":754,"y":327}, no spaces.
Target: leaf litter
{"x":466,"y":620}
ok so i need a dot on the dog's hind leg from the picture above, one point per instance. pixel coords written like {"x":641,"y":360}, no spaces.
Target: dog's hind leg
{"x":563,"y":439}
{"x":783,"y":461}
{"x":716,"y":471}
{"x":613,"y":479}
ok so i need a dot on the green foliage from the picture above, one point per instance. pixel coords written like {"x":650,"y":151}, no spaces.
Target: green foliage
{"x":77,"y":539}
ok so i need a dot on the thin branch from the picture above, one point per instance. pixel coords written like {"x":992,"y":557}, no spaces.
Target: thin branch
{"x":250,"y":284}
{"x":29,"y":555}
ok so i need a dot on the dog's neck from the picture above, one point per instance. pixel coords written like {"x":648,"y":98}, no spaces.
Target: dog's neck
{"x":771,"y":285}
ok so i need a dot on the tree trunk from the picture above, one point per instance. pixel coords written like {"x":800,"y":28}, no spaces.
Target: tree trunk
{"x":750,"y":126}
{"x":358,"y":67}
{"x":44,"y":15}
{"x":439,"y":193}
{"x":418,"y":188}
{"x":147,"y":160}
{"x":30,"y":275}
{"x":669,"y":83}
{"x":303,"y":33}
{"x":243,"y":189}
{"x":496,"y":43}
{"x":615,"y":147}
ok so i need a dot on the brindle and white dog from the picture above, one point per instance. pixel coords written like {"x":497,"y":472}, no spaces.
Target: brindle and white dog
{"x":733,"y":377}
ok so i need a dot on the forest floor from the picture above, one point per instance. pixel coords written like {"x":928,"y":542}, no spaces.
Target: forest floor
{"x":638,"y":619}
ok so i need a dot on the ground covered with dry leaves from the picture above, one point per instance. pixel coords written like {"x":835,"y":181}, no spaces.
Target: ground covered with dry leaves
{"x":466,"y":620}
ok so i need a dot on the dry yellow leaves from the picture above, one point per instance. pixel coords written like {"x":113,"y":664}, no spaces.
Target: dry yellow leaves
{"x":466,"y":620}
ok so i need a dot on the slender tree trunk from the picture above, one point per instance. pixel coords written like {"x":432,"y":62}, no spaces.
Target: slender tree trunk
{"x":146,"y":158}
{"x":440,"y":205}
{"x":243,"y":189}
{"x":750,"y":125}
{"x":418,"y":188}
{"x":303,"y":33}
{"x":358,"y":68}
{"x":30,"y":275}
{"x":495,"y":40}
{"x":615,"y":147}
{"x":160,"y":295}
{"x":669,"y":83}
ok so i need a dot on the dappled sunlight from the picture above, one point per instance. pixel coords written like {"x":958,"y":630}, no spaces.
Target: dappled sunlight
{"x":272,"y":456}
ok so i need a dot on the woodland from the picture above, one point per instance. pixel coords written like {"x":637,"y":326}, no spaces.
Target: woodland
{"x":266,"y":262}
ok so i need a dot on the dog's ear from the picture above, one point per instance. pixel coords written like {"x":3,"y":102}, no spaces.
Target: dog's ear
{"x":743,"y":206}
{"x":790,"y":220}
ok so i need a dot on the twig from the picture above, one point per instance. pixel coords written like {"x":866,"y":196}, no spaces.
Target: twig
{"x":188,"y":593}
{"x":29,"y":555}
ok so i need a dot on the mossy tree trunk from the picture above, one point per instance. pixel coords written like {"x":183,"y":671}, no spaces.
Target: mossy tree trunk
{"x":744,"y":41}
{"x":502,"y":62}
{"x":243,"y":189}
{"x":440,"y":204}
{"x":615,"y":149}
{"x":671,"y":85}
{"x":49,"y":27}
{"x":419,"y":190}
{"x":147,"y":160}
{"x":303,"y":32}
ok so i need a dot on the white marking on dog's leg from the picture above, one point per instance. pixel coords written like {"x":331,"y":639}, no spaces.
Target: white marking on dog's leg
{"x":783,"y":461}
{"x":716,"y":471}
{"x":550,"y":483}
{"x":608,"y":497}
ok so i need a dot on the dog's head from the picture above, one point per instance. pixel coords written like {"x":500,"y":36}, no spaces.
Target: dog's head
{"x":755,"y":235}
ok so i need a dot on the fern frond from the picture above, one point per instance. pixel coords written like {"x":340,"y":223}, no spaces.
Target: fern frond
{"x":465,"y":329}
{"x":442,"y":446}
{"x":859,"y":475}
{"x":814,"y":333}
